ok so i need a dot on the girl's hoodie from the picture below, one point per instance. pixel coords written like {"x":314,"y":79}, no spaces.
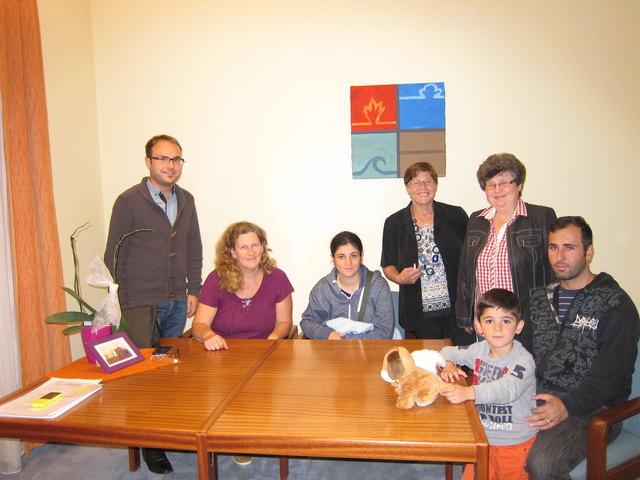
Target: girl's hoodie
{"x":327,"y":301}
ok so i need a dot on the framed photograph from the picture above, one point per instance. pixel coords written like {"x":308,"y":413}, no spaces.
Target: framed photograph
{"x":115,"y":352}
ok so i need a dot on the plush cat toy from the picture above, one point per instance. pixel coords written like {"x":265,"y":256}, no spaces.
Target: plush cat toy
{"x":414,"y":375}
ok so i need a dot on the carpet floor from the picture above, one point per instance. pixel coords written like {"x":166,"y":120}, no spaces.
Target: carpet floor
{"x":54,"y":461}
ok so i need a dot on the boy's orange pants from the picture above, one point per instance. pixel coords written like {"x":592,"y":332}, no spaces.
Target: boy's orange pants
{"x":506,"y":462}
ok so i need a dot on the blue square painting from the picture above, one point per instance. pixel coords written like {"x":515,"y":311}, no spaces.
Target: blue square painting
{"x":393,"y":126}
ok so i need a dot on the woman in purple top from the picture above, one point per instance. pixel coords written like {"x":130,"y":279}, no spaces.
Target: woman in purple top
{"x":246,"y":296}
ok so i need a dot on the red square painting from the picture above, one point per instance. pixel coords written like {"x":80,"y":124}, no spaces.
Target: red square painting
{"x":373,"y":107}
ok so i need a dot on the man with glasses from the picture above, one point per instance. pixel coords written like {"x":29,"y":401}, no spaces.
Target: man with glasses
{"x":161,"y":265}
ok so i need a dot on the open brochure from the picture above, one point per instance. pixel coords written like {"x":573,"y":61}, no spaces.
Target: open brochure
{"x":72,"y":391}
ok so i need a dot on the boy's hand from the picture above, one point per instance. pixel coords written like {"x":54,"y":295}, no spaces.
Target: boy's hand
{"x":451,"y":373}
{"x":457,"y":393}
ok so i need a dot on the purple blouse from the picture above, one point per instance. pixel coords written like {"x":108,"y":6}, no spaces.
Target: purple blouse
{"x":235,"y":320}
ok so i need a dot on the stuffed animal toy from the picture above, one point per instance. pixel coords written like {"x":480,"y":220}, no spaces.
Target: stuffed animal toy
{"x":414,"y":375}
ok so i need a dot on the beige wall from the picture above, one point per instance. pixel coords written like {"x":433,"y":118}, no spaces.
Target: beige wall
{"x":67,"y":46}
{"x":258,"y":94}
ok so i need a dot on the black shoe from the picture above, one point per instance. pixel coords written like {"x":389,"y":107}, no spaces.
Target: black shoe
{"x":157,"y":460}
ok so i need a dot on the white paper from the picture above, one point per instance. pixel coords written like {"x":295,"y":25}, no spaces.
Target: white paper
{"x":73,"y":392}
{"x":346,"y":325}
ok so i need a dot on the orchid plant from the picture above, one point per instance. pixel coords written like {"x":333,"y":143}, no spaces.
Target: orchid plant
{"x":77,"y":320}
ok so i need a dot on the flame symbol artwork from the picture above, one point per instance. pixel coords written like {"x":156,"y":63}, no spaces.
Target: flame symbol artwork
{"x":373,"y":111}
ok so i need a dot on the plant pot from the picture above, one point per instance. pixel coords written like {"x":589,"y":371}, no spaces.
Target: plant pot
{"x":93,"y":333}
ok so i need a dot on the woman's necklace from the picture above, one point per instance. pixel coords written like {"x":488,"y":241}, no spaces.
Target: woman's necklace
{"x":248,"y":301}
{"x":427,"y":219}
{"x":246,"y":304}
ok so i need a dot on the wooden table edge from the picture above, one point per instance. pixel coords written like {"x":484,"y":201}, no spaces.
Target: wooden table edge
{"x":482,"y":456}
{"x":206,"y":467}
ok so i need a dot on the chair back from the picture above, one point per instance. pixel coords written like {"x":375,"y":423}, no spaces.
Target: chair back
{"x":632,"y":424}
{"x":620,"y":458}
{"x":396,"y":314}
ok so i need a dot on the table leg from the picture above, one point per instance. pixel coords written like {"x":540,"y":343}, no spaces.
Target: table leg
{"x":448,"y":471}
{"x":134,"y":459}
{"x":207,"y":466}
{"x":482,"y":465}
{"x":206,"y":461}
{"x":284,"y":468}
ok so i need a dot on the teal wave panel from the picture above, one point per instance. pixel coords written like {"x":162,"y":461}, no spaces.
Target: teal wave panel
{"x":374,"y":155}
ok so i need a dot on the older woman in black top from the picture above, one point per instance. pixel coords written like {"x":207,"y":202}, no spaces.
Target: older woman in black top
{"x":421,"y":245}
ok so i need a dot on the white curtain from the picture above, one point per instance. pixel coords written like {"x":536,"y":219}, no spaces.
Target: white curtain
{"x":10,"y":450}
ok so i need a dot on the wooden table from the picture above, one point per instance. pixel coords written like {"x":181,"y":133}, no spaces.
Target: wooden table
{"x":162,"y":408}
{"x":323,"y":398}
{"x":290,"y":397}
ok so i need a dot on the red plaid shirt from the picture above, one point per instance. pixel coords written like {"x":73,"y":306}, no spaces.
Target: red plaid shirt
{"x":493,"y":270}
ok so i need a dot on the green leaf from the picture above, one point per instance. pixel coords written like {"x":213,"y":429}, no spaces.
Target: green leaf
{"x":74,"y":329}
{"x":116,"y":250}
{"x":77,"y":297}
{"x":124,"y":327}
{"x":69,"y":317}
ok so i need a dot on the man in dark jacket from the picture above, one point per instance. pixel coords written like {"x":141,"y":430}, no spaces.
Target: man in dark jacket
{"x":585,"y":336}
{"x":162,"y":266}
